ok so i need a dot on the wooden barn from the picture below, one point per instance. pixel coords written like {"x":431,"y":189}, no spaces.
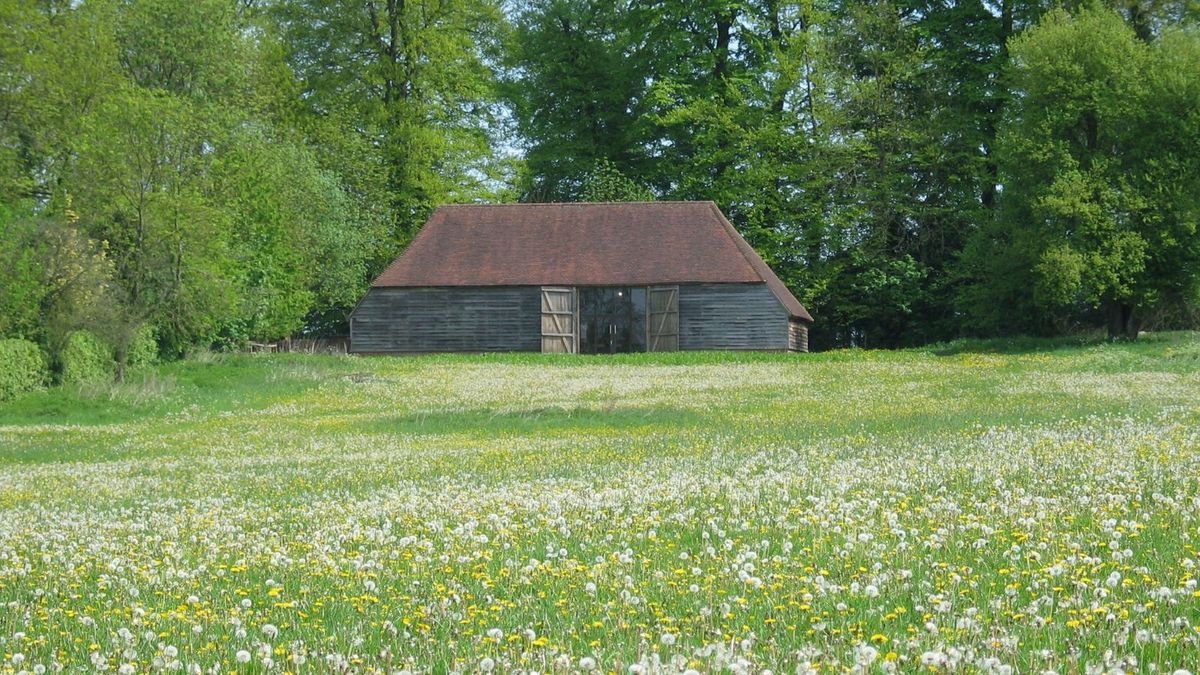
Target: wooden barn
{"x":586,"y":278}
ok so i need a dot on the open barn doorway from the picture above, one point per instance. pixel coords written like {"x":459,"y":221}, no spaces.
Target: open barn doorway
{"x":612,"y":320}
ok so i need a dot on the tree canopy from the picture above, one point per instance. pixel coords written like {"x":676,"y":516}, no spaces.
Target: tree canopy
{"x":219,"y":171}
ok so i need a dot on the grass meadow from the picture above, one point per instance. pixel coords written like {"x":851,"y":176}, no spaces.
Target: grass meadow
{"x":982,"y":508}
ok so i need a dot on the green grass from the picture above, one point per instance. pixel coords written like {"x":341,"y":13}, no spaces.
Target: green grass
{"x":962,"y":503}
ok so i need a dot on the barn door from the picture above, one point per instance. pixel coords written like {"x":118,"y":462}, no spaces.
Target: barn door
{"x":662,"y":319}
{"x":558,"y":319}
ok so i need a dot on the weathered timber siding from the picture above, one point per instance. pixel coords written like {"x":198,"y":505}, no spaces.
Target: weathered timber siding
{"x":798,"y":335}
{"x":731,"y":316}
{"x":448,"y":319}
{"x":508,"y":318}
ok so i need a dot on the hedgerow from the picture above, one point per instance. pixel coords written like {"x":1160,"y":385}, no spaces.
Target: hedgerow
{"x":24,"y":368}
{"x":86,"y":359}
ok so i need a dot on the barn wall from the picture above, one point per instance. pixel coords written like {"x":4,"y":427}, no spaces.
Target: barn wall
{"x":444,"y":319}
{"x":731,"y":316}
{"x":798,"y":335}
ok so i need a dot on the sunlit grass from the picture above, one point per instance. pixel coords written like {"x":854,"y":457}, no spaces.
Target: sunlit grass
{"x":986,"y":507}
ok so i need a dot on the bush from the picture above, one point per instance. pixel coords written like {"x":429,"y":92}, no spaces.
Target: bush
{"x":86,"y":359}
{"x":24,"y":368}
{"x":143,"y":351}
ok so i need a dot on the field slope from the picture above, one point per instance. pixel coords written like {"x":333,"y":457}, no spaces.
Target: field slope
{"x":982,"y":508}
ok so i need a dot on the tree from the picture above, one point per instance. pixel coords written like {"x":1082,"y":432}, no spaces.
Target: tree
{"x":173,"y":138}
{"x":78,"y":289}
{"x":739,"y":113}
{"x":846,"y":140}
{"x":57,"y":61}
{"x":912,"y":169}
{"x":575,"y":82}
{"x":143,"y":177}
{"x":297,"y":246}
{"x":415,"y":80}
{"x":22,"y":289}
{"x":1098,"y":207}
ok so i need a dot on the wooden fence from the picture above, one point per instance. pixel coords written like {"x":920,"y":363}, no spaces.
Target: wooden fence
{"x":338,"y":344}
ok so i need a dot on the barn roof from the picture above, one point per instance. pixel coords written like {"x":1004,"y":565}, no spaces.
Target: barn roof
{"x":582,"y":244}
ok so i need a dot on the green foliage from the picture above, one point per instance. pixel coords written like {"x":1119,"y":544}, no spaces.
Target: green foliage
{"x":1089,"y":217}
{"x":86,"y":359}
{"x":296,"y":246}
{"x":875,"y":298}
{"x":189,"y":48}
{"x":1059,"y":272}
{"x":576,"y":87}
{"x":913,"y":170}
{"x":24,"y":370}
{"x":166,"y":178}
{"x":22,"y":290}
{"x":829,"y":132}
{"x":76,"y":282}
{"x":143,"y":350}
{"x":413,"y":85}
{"x":606,"y":183}
{"x":168,"y":239}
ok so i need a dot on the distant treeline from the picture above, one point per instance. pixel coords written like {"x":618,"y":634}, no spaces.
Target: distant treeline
{"x":210,"y":172}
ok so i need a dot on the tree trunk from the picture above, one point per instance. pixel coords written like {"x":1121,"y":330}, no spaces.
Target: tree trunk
{"x":725,"y":19}
{"x":1122,"y":321}
{"x":1140,"y":20}
{"x":991,"y":120}
{"x":122,"y":358}
{"x":1133,"y":324}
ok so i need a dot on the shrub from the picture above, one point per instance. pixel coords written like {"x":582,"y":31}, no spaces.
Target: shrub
{"x":86,"y":359}
{"x":143,"y":351}
{"x":24,"y":368}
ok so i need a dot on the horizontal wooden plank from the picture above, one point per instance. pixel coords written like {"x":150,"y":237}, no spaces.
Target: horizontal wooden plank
{"x":731,"y":316}
{"x":468,"y":319}
{"x":479,"y":319}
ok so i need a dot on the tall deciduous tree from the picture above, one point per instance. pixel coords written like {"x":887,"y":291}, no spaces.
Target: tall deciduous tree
{"x":166,"y":136}
{"x":576,"y":84}
{"x":293,"y":235}
{"x":415,"y":79}
{"x":142,"y":185}
{"x":1099,"y":206}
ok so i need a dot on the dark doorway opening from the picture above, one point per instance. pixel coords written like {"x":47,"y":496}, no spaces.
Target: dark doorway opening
{"x":612,"y":320}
